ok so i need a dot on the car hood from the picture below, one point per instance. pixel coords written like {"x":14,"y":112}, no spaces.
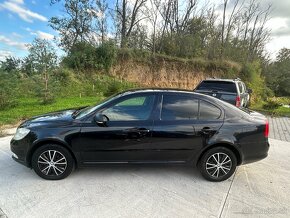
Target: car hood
{"x":54,"y":117}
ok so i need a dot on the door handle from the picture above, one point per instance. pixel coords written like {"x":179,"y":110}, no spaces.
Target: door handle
{"x":208,"y":131}
{"x":143,"y":130}
{"x":136,"y":133}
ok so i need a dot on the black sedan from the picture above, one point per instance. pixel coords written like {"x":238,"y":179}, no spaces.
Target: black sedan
{"x":144,"y":126}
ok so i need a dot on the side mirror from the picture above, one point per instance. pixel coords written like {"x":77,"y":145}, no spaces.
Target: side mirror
{"x":100,"y":118}
{"x":250,"y":91}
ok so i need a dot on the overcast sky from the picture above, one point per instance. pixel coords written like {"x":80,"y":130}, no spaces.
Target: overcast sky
{"x":23,"y":20}
{"x":279,"y":25}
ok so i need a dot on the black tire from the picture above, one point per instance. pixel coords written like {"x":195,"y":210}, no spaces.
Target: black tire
{"x":52,"y":162}
{"x":211,"y":170}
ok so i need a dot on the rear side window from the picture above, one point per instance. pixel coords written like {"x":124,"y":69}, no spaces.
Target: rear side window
{"x":241,"y":88}
{"x":179,"y":107}
{"x":217,"y":86}
{"x":244,"y":86}
{"x":208,"y":111}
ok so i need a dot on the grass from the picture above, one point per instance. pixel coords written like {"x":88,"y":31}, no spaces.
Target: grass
{"x":28,"y":107}
{"x":276,"y":111}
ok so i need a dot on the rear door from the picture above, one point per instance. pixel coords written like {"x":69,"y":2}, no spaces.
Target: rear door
{"x":178,"y":134}
{"x":210,"y":120}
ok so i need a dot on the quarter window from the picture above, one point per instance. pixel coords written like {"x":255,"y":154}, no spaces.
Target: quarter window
{"x":177,"y":107}
{"x":208,"y":111}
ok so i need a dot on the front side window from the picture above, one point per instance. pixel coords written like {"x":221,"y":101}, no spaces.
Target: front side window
{"x":132,"y":108}
{"x":178,"y":107}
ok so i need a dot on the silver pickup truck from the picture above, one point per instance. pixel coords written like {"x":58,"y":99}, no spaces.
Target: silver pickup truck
{"x":233,"y":91}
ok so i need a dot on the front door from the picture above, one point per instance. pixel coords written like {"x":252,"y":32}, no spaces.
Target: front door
{"x":125,"y":136}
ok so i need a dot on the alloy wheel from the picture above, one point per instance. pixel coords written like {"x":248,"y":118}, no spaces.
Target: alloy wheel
{"x":52,"y":163}
{"x":218,"y":164}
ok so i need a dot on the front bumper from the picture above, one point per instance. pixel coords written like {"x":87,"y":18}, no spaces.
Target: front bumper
{"x":19,"y":149}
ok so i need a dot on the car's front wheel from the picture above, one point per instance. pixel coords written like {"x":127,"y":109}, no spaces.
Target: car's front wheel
{"x":52,"y":162}
{"x":217,"y":164}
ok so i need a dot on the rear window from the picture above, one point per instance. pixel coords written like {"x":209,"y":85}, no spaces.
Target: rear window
{"x":217,"y":86}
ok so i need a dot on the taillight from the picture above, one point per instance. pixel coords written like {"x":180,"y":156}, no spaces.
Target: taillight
{"x":266,"y":132}
{"x":238,"y":101}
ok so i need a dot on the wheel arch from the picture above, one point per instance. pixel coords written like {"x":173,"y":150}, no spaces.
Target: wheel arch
{"x":231,"y":147}
{"x":45,"y":142}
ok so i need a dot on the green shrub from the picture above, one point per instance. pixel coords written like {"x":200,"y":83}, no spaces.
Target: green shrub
{"x":85,"y":58}
{"x":106,"y":56}
{"x":6,"y":101}
{"x":271,"y":104}
{"x":249,"y":71}
{"x":81,"y":57}
{"x":113,"y":88}
{"x":8,"y":90}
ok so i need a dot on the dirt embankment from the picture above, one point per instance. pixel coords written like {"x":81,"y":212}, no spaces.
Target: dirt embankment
{"x":168,"y":73}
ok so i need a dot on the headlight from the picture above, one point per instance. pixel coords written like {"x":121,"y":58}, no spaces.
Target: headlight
{"x":21,"y":133}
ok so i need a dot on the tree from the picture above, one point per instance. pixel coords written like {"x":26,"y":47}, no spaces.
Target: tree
{"x":101,"y":19}
{"x":76,"y":26}
{"x":278,"y":73}
{"x":252,"y":34}
{"x":229,"y":23}
{"x":128,"y":16}
{"x":175,"y":17}
{"x":43,"y":59}
{"x":152,"y":9}
{"x":283,"y":55}
{"x":11,"y":64}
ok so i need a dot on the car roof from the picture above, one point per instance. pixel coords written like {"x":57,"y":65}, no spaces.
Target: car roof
{"x":223,"y":80}
{"x":169,"y":90}
{"x":166,"y":90}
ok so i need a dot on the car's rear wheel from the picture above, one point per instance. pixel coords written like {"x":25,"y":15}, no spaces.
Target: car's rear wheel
{"x":52,"y":162}
{"x":217,"y":164}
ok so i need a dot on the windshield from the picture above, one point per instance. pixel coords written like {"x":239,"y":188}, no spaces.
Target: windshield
{"x":87,"y":110}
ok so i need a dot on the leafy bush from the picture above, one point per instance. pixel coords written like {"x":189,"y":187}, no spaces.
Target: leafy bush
{"x":251,"y":73}
{"x":113,"y":88}
{"x":106,"y":56}
{"x":46,"y":96}
{"x":81,"y":57}
{"x":85,"y":57}
{"x":276,"y":102}
{"x":8,"y":91}
{"x":271,"y":104}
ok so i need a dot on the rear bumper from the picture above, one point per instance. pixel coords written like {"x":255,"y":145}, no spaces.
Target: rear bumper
{"x":255,"y":152}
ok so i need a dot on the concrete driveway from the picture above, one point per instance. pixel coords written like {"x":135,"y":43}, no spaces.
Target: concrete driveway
{"x":260,"y":189}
